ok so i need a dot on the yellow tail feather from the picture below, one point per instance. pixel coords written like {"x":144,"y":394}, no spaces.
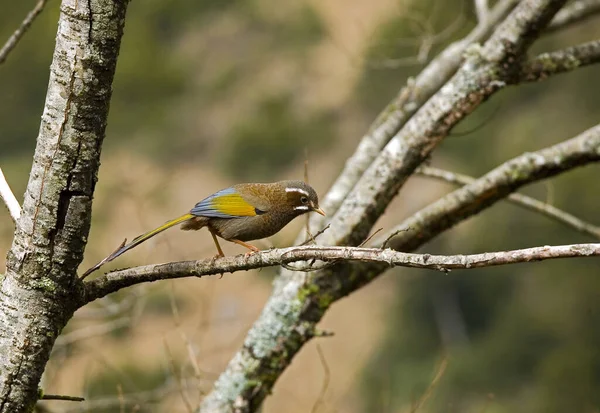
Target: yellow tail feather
{"x":137,"y":241}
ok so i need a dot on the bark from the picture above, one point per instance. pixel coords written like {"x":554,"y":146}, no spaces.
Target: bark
{"x":299,"y":300}
{"x":117,"y":280}
{"x":40,"y":290}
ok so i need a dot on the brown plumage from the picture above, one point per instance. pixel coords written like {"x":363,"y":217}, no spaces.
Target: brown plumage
{"x":240,"y":213}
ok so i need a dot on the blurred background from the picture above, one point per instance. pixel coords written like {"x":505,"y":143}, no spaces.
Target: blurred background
{"x":215,"y":92}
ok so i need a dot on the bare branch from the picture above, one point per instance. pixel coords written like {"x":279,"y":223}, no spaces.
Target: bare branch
{"x":518,"y":199}
{"x":560,"y":61}
{"x":482,"y":10}
{"x":574,"y":13}
{"x":18,"y":34}
{"x":117,"y":280}
{"x":9,"y":198}
{"x":494,"y":186}
{"x":409,"y":99}
{"x":299,"y":300}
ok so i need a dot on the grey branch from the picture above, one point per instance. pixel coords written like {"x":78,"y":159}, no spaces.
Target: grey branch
{"x":9,"y":199}
{"x":494,"y":186}
{"x":117,"y":280}
{"x":574,"y":13}
{"x":18,"y":34}
{"x":408,"y":100}
{"x":518,"y":199}
{"x":299,"y":300}
{"x":560,"y":61}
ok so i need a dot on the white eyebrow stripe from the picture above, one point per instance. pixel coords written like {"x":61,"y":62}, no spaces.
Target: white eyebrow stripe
{"x":301,"y":208}
{"x":299,"y":190}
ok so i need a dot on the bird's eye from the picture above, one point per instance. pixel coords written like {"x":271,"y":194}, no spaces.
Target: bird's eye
{"x":304,"y":200}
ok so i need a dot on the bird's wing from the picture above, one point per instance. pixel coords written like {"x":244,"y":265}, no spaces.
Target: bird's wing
{"x":227,"y":203}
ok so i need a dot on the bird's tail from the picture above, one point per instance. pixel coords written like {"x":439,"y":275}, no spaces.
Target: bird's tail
{"x":137,"y":241}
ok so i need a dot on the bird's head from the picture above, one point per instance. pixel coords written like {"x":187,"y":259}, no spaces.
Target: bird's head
{"x":301,"y":197}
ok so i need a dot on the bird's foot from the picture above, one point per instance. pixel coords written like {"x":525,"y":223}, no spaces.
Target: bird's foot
{"x":250,"y":253}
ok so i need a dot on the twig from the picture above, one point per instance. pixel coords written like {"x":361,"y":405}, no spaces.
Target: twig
{"x":9,"y":198}
{"x":574,"y":13}
{"x":517,"y":199}
{"x":313,"y":238}
{"x":326,"y":379}
{"x":114,"y":281}
{"x":61,"y":397}
{"x":494,"y":186}
{"x":370,"y":237}
{"x":178,"y":378}
{"x":385,"y":243}
{"x":18,"y":34}
{"x":438,"y":375}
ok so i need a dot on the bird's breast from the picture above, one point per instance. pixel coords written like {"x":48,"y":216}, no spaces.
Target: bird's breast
{"x":250,"y":228}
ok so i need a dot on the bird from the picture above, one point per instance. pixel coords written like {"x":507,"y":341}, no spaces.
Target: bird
{"x":240,"y":213}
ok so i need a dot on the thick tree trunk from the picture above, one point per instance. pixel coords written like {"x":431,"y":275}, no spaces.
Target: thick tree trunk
{"x":40,"y":290}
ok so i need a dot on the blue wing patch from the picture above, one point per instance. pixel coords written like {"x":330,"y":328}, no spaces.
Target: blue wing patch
{"x":226,"y":203}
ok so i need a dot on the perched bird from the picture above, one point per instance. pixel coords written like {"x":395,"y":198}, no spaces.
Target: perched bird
{"x":240,"y":213}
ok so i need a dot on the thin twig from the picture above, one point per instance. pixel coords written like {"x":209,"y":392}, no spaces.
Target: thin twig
{"x":18,"y":34}
{"x":117,"y":280}
{"x":517,"y":199}
{"x":313,"y":238}
{"x":438,"y":375}
{"x":9,"y":198}
{"x":370,"y":237}
{"x":178,"y":378}
{"x":62,"y":397}
{"x":326,"y":379}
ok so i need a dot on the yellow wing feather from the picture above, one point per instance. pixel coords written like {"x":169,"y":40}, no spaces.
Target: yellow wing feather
{"x":233,"y":204}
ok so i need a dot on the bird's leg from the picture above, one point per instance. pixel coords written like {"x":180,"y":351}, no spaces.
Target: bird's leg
{"x":220,"y":254}
{"x":252,"y":248}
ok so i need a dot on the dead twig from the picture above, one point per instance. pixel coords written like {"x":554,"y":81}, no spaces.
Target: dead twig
{"x":12,"y":41}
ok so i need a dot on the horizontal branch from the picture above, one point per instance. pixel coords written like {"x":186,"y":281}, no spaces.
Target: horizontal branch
{"x":560,"y":61}
{"x":117,"y":280}
{"x":520,"y":200}
{"x":9,"y":198}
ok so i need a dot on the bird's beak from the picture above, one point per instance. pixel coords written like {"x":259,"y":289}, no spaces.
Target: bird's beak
{"x":319,"y":211}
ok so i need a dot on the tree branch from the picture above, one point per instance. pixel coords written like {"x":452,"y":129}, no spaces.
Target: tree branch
{"x":560,"y":61}
{"x":520,"y":200}
{"x":18,"y":34}
{"x":299,"y":300}
{"x":117,"y":280}
{"x":492,"y":187}
{"x":574,"y":13}
{"x":9,"y":198}
{"x":407,"y":102}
